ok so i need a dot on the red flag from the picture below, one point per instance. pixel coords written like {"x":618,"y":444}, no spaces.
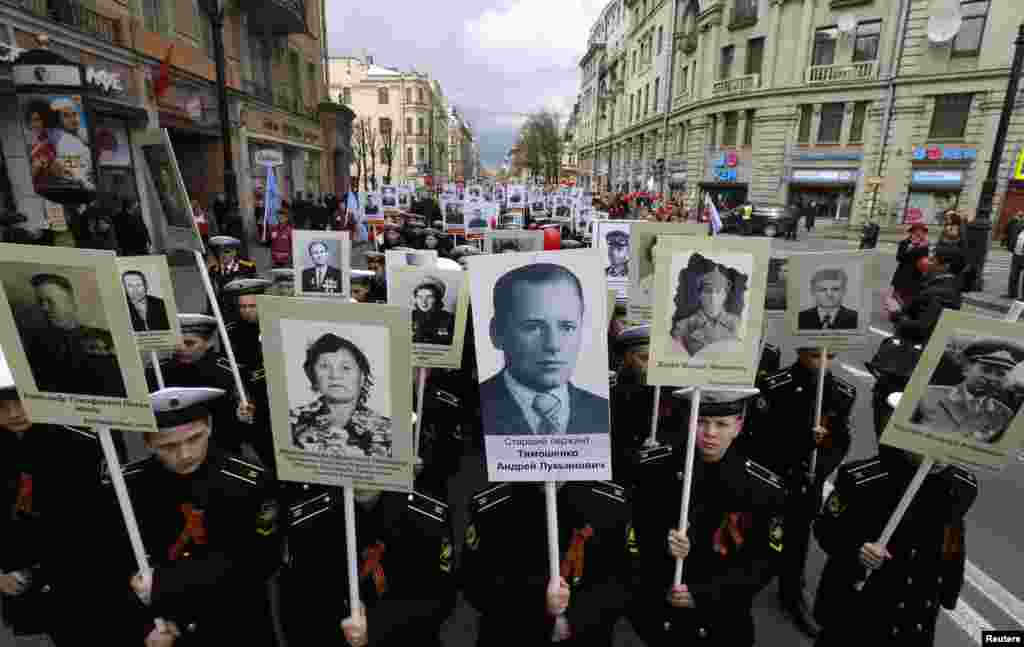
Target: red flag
{"x":163,"y":78}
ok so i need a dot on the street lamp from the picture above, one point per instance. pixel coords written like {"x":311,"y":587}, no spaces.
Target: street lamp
{"x":980,"y":229}
{"x":215,"y":10}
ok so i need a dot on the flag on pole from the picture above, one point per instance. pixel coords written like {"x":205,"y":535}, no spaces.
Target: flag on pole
{"x":162,"y":82}
{"x":716,"y":219}
{"x":270,"y":198}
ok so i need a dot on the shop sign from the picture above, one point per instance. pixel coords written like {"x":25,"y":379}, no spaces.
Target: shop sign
{"x":952,"y":179}
{"x":825,"y":176}
{"x":268,"y":157}
{"x":105,"y":80}
{"x":724,"y":167}
{"x":943,"y":154}
{"x":730,"y":160}
{"x":828,"y":156}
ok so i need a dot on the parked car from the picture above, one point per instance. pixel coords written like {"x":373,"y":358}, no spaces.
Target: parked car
{"x":766,"y":220}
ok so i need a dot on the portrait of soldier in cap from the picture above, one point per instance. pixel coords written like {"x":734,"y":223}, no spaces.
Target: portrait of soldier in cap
{"x":709,"y":303}
{"x":980,"y":407}
{"x":431,"y":323}
{"x":618,"y":253}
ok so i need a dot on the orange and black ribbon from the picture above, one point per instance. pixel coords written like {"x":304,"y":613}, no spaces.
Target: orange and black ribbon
{"x":730,"y":535}
{"x":194,"y":531}
{"x":23,"y":502}
{"x":571,"y":567}
{"x":372,"y":566}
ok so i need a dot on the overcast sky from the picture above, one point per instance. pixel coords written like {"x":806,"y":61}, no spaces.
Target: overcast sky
{"x":496,"y":60}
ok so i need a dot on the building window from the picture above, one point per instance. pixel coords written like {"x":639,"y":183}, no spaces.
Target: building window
{"x":311,"y":81}
{"x":949,"y":121}
{"x":408,"y":125}
{"x":746,"y":10}
{"x":419,"y":125}
{"x":423,"y":155}
{"x":860,"y":112}
{"x":634,"y":61}
{"x":748,"y":129}
{"x":384,"y":125}
{"x":661,"y":35}
{"x":804,"y":132}
{"x":865,"y":43}
{"x":825,"y":46}
{"x":419,"y":94}
{"x":408,"y":95}
{"x":382,"y":96}
{"x":647,"y":96}
{"x":313,"y":172}
{"x":713,"y":131}
{"x":204,"y":29}
{"x":295,"y":74}
{"x":681,"y":141}
{"x":968,"y":40}
{"x":831,"y":123}
{"x":725,"y":69}
{"x":346,"y":95}
{"x":408,"y":155}
{"x":683,"y":77}
{"x":151,"y":15}
{"x":630,"y":120}
{"x":730,"y":128}
{"x":657,"y":87}
{"x":755,"y":55}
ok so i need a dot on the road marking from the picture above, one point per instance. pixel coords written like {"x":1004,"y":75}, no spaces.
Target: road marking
{"x":861,"y":373}
{"x":879,"y":331}
{"x":970,"y":621}
{"x":996,"y":594}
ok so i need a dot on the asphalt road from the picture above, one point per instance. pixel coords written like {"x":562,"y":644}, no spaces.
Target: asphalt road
{"x":995,"y":527}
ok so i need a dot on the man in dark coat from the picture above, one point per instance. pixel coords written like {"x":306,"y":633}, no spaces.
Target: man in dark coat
{"x":321,"y":277}
{"x":533,"y":393}
{"x":147,"y":312}
{"x":506,"y":564}
{"x":406,"y":583}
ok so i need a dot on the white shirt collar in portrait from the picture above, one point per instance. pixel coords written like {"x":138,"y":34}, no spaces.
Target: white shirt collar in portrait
{"x":524,"y":397}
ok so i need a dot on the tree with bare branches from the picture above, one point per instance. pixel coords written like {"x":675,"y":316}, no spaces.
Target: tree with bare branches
{"x":387,"y":147}
{"x":359,"y":152}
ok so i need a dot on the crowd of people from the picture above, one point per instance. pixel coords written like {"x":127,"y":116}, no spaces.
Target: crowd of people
{"x":240,"y":557}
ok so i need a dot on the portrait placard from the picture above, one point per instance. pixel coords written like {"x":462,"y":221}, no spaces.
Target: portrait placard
{"x":708,"y":310}
{"x":322,"y":263}
{"x":542,"y":353}
{"x":643,"y":236}
{"x":453,"y":216}
{"x":338,"y":376}
{"x":611,"y":237}
{"x":373,"y":212}
{"x":65,"y":330}
{"x":394,"y":258}
{"x":963,"y":402}
{"x":149,"y":291}
{"x":389,"y":198}
{"x":830,"y":298}
{"x":59,"y":145}
{"x":439,"y":301}
{"x":180,"y":227}
{"x":477,"y":221}
{"x":510,"y":241}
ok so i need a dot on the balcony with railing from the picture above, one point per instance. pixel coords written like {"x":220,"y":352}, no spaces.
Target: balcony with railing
{"x":75,"y":16}
{"x":737,"y":84}
{"x":820,"y":74}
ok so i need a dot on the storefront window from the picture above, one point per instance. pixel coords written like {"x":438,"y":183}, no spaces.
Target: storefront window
{"x":313,"y":172}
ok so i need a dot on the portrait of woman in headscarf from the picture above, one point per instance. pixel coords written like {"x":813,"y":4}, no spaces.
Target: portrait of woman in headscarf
{"x":709,"y":307}
{"x":339,"y":421}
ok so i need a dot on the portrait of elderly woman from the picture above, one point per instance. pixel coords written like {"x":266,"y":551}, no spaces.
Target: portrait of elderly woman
{"x":339,"y":421}
{"x":709,"y":304}
{"x":431,"y":323}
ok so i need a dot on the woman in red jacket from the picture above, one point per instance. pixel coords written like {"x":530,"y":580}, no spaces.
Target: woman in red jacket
{"x":281,"y":237}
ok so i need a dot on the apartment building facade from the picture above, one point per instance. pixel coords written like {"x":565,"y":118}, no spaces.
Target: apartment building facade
{"x":848,"y":103}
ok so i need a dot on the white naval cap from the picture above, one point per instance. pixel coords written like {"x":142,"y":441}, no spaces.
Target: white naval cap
{"x":240,"y":287}
{"x":225,"y":241}
{"x":7,"y":385}
{"x":196,"y":324}
{"x":179,"y":405}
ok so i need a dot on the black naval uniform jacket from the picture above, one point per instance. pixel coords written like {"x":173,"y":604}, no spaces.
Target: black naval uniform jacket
{"x":505,"y":562}
{"x":245,"y":342}
{"x":788,"y":396}
{"x":405,"y":568}
{"x":900,"y":602}
{"x":210,"y":372}
{"x":242,"y":269}
{"x":48,"y":486}
{"x":632,"y":405}
{"x":736,"y":537}
{"x":213,"y":542}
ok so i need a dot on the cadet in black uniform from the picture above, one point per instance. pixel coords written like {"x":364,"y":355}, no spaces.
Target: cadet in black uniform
{"x":406,"y":586}
{"x":506,"y":573}
{"x":194,"y":364}
{"x":244,"y":336}
{"x":790,"y":395}
{"x":921,"y":568}
{"x":48,"y":479}
{"x":210,"y":528}
{"x":226,"y":266}
{"x":732,"y":543}
{"x":379,"y":283}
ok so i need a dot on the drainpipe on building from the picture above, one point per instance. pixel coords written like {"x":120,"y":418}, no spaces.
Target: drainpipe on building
{"x":890,"y":105}
{"x":668,"y":92}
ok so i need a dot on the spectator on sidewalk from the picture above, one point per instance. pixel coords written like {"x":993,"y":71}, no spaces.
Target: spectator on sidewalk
{"x":952,"y":239}
{"x":1016,"y":239}
{"x":281,"y":237}
{"x":906,"y":281}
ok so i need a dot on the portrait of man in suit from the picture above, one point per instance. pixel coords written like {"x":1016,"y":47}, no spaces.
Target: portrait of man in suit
{"x":147,"y":312}
{"x":320,"y":277}
{"x":828,"y":287}
{"x":538,"y":325}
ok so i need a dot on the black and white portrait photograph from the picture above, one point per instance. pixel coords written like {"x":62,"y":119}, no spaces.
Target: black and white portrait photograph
{"x":541,"y":346}
{"x":963,"y":402}
{"x":643,"y":237}
{"x":372,"y":208}
{"x":611,"y":237}
{"x":404,"y":197}
{"x":336,"y":386}
{"x":453,"y":214}
{"x":389,"y":197}
{"x":708,"y":309}
{"x":322,"y":262}
{"x":438,"y":300}
{"x":66,"y":329}
{"x":830,"y":297}
{"x":508,"y":242}
{"x":149,"y":293}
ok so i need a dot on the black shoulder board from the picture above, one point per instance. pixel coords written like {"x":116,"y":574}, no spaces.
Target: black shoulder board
{"x":763,"y":475}
{"x":445,"y":397}
{"x":312,"y":503}
{"x":610,"y":490}
{"x":777,"y":380}
{"x":128,"y":470}
{"x":845,"y":388}
{"x":861,"y":473}
{"x":230,"y":325}
{"x":429,"y":507}
{"x":242,"y":470}
{"x":82,"y":432}
{"x":223,"y":363}
{"x":963,"y":478}
{"x":654,"y":456}
{"x":491,"y":497}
